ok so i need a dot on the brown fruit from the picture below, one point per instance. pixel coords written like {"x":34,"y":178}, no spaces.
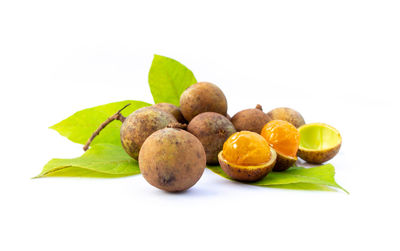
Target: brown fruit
{"x":287,"y":114}
{"x":250,"y":120}
{"x":246,"y":156}
{"x":172,"y":159}
{"x":173,"y":109}
{"x":139,"y":125}
{"x":212,"y":129}
{"x":202,"y":97}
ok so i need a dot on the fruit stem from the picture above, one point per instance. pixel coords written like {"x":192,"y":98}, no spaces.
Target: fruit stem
{"x":116,"y":116}
{"x":259,"y":107}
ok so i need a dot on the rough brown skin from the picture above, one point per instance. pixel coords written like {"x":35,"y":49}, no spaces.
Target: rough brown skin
{"x":202,"y":97}
{"x":318,"y":157}
{"x":246,"y":174}
{"x":287,"y":114}
{"x":139,"y":125}
{"x":173,"y":109}
{"x":172,"y":159}
{"x":250,"y":120}
{"x":283,"y":162}
{"x":212,"y":129}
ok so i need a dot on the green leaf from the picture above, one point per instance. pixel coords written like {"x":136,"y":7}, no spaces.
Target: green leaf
{"x":313,"y":178}
{"x":100,"y":161}
{"x":80,"y":126}
{"x":168,"y":79}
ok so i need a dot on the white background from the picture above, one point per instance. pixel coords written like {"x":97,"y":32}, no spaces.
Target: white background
{"x":336,"y":62}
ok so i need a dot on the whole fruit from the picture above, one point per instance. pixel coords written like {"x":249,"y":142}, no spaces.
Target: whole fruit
{"x":139,"y":125}
{"x":288,"y":114}
{"x":250,"y":120}
{"x":246,"y":156}
{"x":202,"y":97}
{"x":212,"y":129}
{"x":173,"y":109}
{"x":172,"y":159}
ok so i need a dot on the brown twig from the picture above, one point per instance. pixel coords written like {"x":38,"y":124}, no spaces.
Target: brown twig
{"x":116,"y":116}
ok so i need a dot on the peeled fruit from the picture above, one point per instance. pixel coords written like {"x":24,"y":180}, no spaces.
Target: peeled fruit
{"x":202,"y":97}
{"x":246,"y":156}
{"x":284,"y":138}
{"x":287,"y":114}
{"x":172,"y":159}
{"x":212,"y":129}
{"x":250,"y":120}
{"x":318,"y":142}
{"x":173,"y":109}
{"x":139,"y":125}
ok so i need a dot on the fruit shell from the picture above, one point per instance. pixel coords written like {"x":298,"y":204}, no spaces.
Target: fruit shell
{"x":283,"y":162}
{"x":172,"y":159}
{"x":247,"y":173}
{"x":212,"y":129}
{"x":250,"y":120}
{"x":319,"y":156}
{"x":288,"y":114}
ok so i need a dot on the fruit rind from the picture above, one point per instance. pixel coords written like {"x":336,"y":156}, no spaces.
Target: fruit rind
{"x":247,"y":173}
{"x":283,"y":162}
{"x":319,"y":156}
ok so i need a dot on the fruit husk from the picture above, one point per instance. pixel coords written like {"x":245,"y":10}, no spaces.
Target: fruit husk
{"x":319,"y":156}
{"x":288,"y":114}
{"x":283,"y":162}
{"x":247,"y":173}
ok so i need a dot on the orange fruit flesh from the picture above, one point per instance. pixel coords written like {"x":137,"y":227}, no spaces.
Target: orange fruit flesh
{"x":247,"y":149}
{"x":282,"y":136}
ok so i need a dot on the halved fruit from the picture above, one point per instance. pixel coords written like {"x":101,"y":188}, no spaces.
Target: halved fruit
{"x":284,"y":138}
{"x":246,"y":156}
{"x":319,"y":142}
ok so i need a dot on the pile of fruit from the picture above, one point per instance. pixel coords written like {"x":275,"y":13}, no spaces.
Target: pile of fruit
{"x":174,"y":144}
{"x":186,"y":130}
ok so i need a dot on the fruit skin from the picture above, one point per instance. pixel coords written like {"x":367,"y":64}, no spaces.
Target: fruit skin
{"x":202,"y":97}
{"x":172,"y":159}
{"x":283,"y":162}
{"x":288,"y":114}
{"x":247,"y":173}
{"x":139,"y":125}
{"x":173,"y":109}
{"x":250,"y":120}
{"x":318,"y":157}
{"x":212,"y":129}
